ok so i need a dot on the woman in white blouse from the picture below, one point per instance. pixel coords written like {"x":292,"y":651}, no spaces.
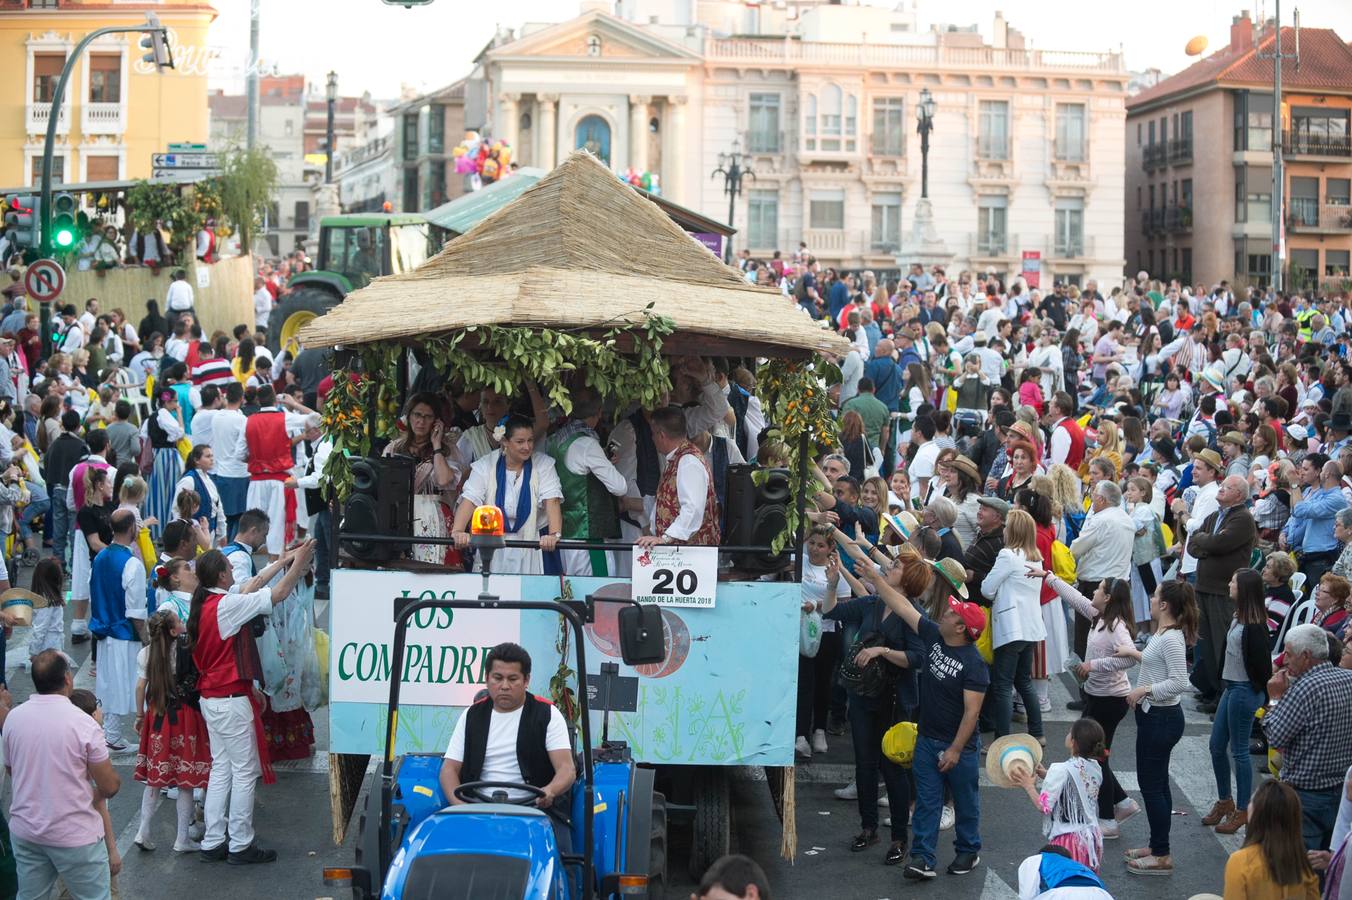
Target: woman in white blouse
{"x":1016,"y":622}
{"x":1163,"y":679}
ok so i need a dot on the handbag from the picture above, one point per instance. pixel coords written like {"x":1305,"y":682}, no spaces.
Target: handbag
{"x":809,"y":634}
{"x":875,"y":464}
{"x":871,"y":680}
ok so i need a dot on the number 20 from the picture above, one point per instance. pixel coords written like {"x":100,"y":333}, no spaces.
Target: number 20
{"x":685,"y":579}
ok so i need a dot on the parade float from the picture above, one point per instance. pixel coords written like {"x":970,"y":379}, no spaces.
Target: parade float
{"x":579,"y":280}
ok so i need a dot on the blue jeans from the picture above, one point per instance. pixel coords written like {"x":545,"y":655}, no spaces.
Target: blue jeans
{"x":1013,"y":670}
{"x":60,"y":522}
{"x":38,"y":504}
{"x":961,"y":781}
{"x":1318,"y":813}
{"x":869,"y":721}
{"x":1230,"y":738}
{"x":1157,"y":732}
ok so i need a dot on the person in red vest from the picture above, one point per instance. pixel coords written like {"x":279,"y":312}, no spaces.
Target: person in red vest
{"x":1067,"y":444}
{"x":270,"y":433}
{"x":687,"y":509}
{"x":221,"y":631}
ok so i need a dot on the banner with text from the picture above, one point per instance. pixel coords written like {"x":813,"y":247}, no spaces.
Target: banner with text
{"x":445,"y":648}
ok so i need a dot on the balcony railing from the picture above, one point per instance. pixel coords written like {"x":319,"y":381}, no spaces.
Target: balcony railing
{"x":790,"y":52}
{"x":1081,"y":247}
{"x":1153,"y":221}
{"x":1309,"y":215}
{"x":992,"y":244}
{"x":1178,"y":219}
{"x":1180,"y":150}
{"x":1297,"y":143}
{"x":102,"y":118}
{"x":1154,"y":156}
{"x":39,"y":113}
{"x":1069,"y":152}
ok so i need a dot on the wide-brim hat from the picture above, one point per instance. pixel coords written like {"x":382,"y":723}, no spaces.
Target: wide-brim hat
{"x":953,"y":572}
{"x":21,"y":603}
{"x":1340,"y":421}
{"x":1008,"y":752}
{"x":903,"y":523}
{"x":1211,"y":458}
{"x":1234,"y":437}
{"x":964,"y":465}
{"x":1214,"y":376}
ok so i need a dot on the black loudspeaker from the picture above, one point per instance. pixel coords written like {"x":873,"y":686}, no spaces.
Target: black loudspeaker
{"x":757,"y":513}
{"x":381,"y":502}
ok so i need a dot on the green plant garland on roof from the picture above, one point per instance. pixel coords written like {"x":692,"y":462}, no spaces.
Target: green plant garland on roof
{"x":623,"y":364}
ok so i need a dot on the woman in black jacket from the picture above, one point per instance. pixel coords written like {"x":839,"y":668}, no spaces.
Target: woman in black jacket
{"x":1245,"y":672}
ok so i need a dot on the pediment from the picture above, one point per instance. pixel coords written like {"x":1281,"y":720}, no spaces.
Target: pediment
{"x":594,"y":35}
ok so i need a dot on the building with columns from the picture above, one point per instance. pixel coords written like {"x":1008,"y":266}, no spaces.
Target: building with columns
{"x":1026,"y":154}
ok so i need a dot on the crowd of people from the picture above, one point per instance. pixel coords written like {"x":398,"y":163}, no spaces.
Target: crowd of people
{"x":1155,"y":479}
{"x":146,"y":468}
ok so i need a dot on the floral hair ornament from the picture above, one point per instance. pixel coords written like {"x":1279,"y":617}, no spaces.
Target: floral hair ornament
{"x":500,"y":431}
{"x":166,"y":396}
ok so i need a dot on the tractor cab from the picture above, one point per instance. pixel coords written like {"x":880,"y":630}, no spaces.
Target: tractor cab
{"x":353,"y":249}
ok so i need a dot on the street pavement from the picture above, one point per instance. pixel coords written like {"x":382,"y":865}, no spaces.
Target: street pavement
{"x":292,"y":816}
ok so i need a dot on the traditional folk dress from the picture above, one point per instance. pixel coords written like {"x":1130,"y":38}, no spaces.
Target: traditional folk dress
{"x":164,"y":431}
{"x":521,"y":496}
{"x":290,"y":675}
{"x":175,"y":750}
{"x":590,"y":485}
{"x":209,"y":502}
{"x":117,"y":585}
{"x":270,"y":463}
{"x":433,"y":504}
{"x":687,"y":508}
{"x":1069,"y":804}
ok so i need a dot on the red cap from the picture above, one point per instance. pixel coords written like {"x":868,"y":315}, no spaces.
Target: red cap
{"x":973,"y":616}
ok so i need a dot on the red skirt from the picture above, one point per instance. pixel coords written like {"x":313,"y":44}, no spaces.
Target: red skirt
{"x":290,"y":735}
{"x":177,"y":753}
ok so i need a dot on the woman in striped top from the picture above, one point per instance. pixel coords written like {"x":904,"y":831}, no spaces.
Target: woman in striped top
{"x":1159,"y":718}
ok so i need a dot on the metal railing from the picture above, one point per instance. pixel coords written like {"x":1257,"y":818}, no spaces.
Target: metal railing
{"x":1180,"y":150}
{"x":1308,"y":214}
{"x":1154,"y":156}
{"x":1300,"y":143}
{"x":1177,"y":219}
{"x":790,"y":51}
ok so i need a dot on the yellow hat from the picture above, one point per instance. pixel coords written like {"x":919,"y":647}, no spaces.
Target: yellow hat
{"x":899,"y":743}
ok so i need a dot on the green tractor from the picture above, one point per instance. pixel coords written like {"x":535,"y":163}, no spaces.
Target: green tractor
{"x":353,"y":249}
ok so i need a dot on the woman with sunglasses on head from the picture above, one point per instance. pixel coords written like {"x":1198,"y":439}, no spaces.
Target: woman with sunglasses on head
{"x":1104,"y":675}
{"x":1245,"y":672}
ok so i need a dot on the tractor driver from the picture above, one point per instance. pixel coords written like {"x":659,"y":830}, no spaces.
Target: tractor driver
{"x":513,"y":736}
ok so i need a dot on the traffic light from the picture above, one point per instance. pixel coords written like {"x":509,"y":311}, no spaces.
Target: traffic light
{"x":63,"y":221}
{"x":157,"y":42}
{"x":24,"y":214}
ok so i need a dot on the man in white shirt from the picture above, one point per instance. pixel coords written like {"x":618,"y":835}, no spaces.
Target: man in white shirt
{"x":179,"y":298}
{"x":262,"y":301}
{"x":208,"y":407}
{"x":992,"y":363}
{"x":487,"y":744}
{"x":1103,"y":548}
{"x":231,"y":450}
{"x":922,"y":466}
{"x":72,"y":334}
{"x":90,"y":316}
{"x":685,"y":510}
{"x":991,"y":317}
{"x":1207,"y":469}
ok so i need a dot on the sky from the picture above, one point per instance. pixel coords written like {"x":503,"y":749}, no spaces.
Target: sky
{"x":378,"y":48}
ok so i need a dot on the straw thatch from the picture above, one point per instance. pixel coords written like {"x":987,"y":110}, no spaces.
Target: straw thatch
{"x":578,"y":250}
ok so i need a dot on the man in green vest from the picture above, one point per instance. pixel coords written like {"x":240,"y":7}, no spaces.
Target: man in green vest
{"x":591,"y":484}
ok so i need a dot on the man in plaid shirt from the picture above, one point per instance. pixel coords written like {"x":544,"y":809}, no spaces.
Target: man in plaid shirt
{"x":1308,"y":722}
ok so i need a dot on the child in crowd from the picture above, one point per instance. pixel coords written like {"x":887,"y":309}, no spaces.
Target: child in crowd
{"x":87,"y":703}
{"x":175,"y":581}
{"x":175,"y":751}
{"x":1069,"y":796}
{"x":1030,"y":390}
{"x":49,"y":625}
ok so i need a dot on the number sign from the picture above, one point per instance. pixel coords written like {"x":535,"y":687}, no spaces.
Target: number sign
{"x":675,"y":576}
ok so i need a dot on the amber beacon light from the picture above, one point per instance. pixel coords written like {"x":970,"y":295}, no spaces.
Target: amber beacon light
{"x":487,"y":522}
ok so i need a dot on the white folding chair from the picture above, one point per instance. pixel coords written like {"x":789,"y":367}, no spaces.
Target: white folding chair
{"x":134,"y":394}
{"x":1297,"y":583}
{"x":1301,"y":613}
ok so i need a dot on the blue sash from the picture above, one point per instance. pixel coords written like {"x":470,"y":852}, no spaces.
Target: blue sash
{"x":237,"y":547}
{"x":1061,"y":871}
{"x":553,"y":560}
{"x":204,"y":501}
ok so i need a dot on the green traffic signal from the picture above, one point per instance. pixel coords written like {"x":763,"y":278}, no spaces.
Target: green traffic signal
{"x":63,"y":220}
{"x":64,"y":237}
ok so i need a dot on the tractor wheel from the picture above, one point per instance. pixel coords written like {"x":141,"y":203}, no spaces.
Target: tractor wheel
{"x":293,"y":312}
{"x":711,"y":832}
{"x":657,"y":852}
{"x":368,"y":834}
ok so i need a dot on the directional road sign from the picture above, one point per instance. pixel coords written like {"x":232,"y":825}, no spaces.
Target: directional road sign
{"x":45,"y":280}
{"x":184,"y":160}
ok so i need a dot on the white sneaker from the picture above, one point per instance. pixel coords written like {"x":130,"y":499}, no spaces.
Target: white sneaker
{"x":196,"y":832}
{"x":170,"y":792}
{"x":947,"y":818}
{"x":801,"y":748}
{"x":887,"y":821}
{"x":1110,"y":830}
{"x":882,"y":797}
{"x":848,"y":792}
{"x":819,"y":741}
{"x":1125,"y":809}
{"x":189,"y":846}
{"x":1044,"y":704}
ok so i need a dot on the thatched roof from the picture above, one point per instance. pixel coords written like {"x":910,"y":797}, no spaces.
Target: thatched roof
{"x":577,"y":250}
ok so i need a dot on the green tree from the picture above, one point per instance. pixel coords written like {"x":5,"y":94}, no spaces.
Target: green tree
{"x":246,"y":186}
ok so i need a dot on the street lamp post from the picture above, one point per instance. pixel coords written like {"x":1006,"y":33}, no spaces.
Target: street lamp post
{"x":733,"y":168}
{"x":331,"y":91}
{"x":924,"y":114}
{"x":1278,"y":261}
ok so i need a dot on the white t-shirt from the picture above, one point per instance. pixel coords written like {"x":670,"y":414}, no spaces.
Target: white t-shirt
{"x":500,"y":763}
{"x":814,"y":588}
{"x":923,"y":466}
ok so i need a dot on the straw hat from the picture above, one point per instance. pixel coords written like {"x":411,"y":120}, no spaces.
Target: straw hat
{"x":964,"y":465}
{"x":21,"y":603}
{"x":1234,"y":437}
{"x":953,"y":572}
{"x":903,"y":523}
{"x":1007,"y":753}
{"x":1214,"y":376}
{"x":1211,"y":458}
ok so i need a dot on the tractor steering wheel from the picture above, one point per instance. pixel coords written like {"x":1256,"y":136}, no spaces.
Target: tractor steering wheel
{"x":476,"y":792}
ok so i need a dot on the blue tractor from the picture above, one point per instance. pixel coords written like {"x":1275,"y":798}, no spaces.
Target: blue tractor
{"x":413,"y":844}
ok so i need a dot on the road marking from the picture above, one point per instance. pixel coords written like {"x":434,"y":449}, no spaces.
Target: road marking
{"x":996,"y":888}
